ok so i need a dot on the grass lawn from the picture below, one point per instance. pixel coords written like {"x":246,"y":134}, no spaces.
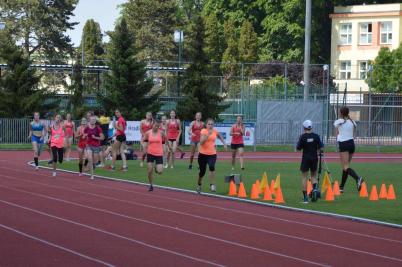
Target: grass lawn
{"x":349,"y":203}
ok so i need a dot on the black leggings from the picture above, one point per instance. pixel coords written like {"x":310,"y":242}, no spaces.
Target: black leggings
{"x":57,"y":154}
{"x":203,"y":160}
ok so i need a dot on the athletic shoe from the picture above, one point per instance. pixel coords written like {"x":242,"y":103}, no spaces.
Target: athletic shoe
{"x":314,"y":195}
{"x":36,"y":167}
{"x":171,"y":167}
{"x":341,"y":190}
{"x":212,"y":187}
{"x":124,"y":169}
{"x":141,"y":164}
{"x":190,"y":167}
{"x":111,"y":168}
{"x":198,"y":189}
{"x":232,"y":168}
{"x":150,"y":188}
{"x":242,"y":168}
{"x":182,"y":155}
{"x":80,"y":174}
{"x":359,"y":183}
{"x":50,"y":162}
{"x":92,"y":177}
{"x":54,"y":174}
{"x":305,"y":200}
{"x":99,"y":165}
{"x":166,"y":166}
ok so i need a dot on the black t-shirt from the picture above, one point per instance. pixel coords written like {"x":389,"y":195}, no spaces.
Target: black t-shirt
{"x":309,"y":143}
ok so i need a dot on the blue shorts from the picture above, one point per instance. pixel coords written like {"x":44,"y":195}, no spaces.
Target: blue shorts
{"x":36,"y":139}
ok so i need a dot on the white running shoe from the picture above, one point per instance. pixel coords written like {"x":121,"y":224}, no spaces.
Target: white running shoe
{"x":171,"y":167}
{"x":80,"y":174}
{"x":92,"y":177}
{"x":54,"y":174}
{"x":213,"y":188}
{"x":166,"y":166}
{"x":141,"y":164}
{"x":36,"y":167}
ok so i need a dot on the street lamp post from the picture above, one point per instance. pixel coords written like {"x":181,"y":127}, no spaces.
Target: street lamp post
{"x":307,"y":45}
{"x":326,"y":70}
{"x":179,"y":38}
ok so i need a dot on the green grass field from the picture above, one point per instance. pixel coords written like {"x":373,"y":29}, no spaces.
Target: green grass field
{"x":348,"y":204}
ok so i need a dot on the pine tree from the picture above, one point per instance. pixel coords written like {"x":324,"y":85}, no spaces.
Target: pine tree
{"x":214,"y":43}
{"x":248,"y":45}
{"x":127,"y":86}
{"x":20,"y":94}
{"x":92,"y":41}
{"x":197,"y":97}
{"x":229,"y":65}
{"x":76,"y":104}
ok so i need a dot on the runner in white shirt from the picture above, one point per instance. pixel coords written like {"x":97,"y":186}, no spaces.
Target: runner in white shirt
{"x":345,"y":134}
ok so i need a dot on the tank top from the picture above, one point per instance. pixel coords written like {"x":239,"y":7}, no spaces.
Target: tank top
{"x":208,"y":147}
{"x":172,"y":129}
{"x":82,"y":142}
{"x":121,"y":122}
{"x":37,"y":128}
{"x":238,"y":138}
{"x":57,"y":137}
{"x":96,"y":131}
{"x":68,"y":125}
{"x":146,"y":126}
{"x":196,"y":131}
{"x":155,"y":147}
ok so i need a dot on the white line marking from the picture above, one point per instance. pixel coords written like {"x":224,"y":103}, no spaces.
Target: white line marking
{"x":194,"y":216}
{"x":110,"y":233}
{"x":160,"y":225}
{"x":55,"y":245}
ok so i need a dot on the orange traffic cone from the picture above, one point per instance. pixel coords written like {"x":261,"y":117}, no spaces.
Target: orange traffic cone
{"x":373,"y":193}
{"x":257,"y":182}
{"x":254,"y":192}
{"x":242,"y":192}
{"x":330,"y":194}
{"x":363,"y":190}
{"x":391,"y":193}
{"x":267,"y":194}
{"x":278,"y":196}
{"x":337,"y":191}
{"x":383,"y":192}
{"x":309,"y":187}
{"x":232,"y":189}
{"x":272,"y":187}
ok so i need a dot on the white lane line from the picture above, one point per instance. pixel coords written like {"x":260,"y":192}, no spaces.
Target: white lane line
{"x":56,"y":246}
{"x":309,"y":224}
{"x":166,"y":226}
{"x":198,"y":217}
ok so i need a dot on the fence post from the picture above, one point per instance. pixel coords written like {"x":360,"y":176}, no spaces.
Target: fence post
{"x":286,"y":80}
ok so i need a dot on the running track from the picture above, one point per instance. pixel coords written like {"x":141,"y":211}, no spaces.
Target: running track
{"x":72,"y":221}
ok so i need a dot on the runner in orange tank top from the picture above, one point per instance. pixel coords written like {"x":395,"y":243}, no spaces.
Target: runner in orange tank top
{"x":145,"y":126}
{"x":237,"y":145}
{"x":207,"y":154}
{"x":57,"y":133}
{"x":155,"y":138}
{"x":195,"y":134}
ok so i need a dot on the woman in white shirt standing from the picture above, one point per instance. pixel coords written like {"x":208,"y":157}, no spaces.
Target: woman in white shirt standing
{"x":345,"y":134}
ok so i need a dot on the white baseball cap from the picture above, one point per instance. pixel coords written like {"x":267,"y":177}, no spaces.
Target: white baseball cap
{"x":307,"y":124}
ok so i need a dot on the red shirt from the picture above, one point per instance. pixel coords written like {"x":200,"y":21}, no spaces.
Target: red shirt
{"x":172,"y":129}
{"x":146,"y":126}
{"x":93,"y":131}
{"x":121,"y":122}
{"x":196,"y":131}
{"x":237,"y":138}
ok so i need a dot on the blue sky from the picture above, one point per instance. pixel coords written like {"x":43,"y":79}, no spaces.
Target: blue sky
{"x":105,"y":12}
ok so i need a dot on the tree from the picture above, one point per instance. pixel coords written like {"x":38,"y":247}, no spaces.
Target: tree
{"x":92,"y":42}
{"x":387,"y":71}
{"x":229,"y":63}
{"x":214,"y":43}
{"x":76,"y":104}
{"x":153,"y":22}
{"x":127,"y":86}
{"x":197,"y":97}
{"x":248,"y":46}
{"x":40,"y":26}
{"x":20,"y":94}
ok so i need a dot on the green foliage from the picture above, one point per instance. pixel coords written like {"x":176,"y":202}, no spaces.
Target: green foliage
{"x":92,"y":41}
{"x":40,"y":26}
{"x":230,"y":57}
{"x":275,"y":87}
{"x":248,"y":45}
{"x":214,"y":42}
{"x":387,"y":71}
{"x":153,"y":22}
{"x":197,"y":97}
{"x":20,"y":94}
{"x":127,"y":86}
{"x":76,"y":90}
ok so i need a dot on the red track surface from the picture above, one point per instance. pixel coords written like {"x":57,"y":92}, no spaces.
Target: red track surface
{"x":72,"y":221}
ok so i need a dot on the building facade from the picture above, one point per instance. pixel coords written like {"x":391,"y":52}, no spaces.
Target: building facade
{"x":358,"y":33}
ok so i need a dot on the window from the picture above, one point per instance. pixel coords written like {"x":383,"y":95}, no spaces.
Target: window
{"x":346,"y":34}
{"x":386,"y":32}
{"x":363,"y":68}
{"x":366,"y":33}
{"x":345,"y":70}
